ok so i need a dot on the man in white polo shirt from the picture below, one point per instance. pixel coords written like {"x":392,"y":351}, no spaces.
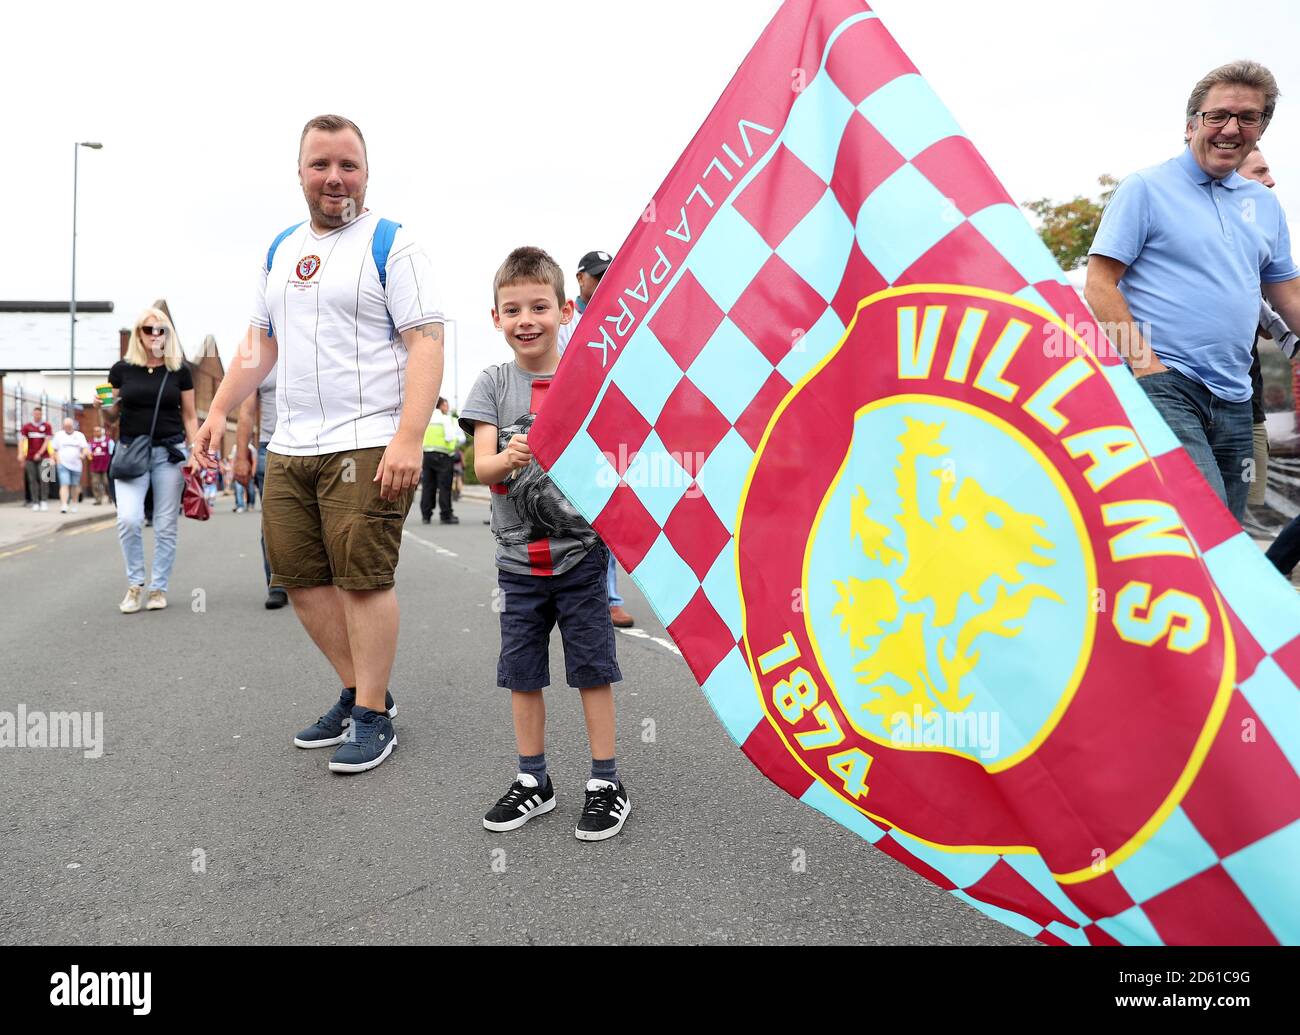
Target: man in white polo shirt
{"x":345,"y":313}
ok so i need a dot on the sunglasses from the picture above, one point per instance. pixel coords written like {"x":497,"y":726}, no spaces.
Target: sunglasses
{"x":153,"y":332}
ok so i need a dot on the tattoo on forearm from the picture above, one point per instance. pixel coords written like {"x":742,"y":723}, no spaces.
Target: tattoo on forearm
{"x":431,"y":330}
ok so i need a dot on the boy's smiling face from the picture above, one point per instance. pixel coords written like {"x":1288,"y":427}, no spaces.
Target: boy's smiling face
{"x":530,"y":316}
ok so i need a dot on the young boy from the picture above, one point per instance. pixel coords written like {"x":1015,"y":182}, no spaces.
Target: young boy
{"x":551,"y":563}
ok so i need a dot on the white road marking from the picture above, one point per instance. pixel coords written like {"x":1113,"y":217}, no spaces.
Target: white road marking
{"x":431,"y":545}
{"x":641,"y":634}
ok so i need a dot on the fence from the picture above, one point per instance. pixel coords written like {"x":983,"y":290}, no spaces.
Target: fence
{"x":18,"y":407}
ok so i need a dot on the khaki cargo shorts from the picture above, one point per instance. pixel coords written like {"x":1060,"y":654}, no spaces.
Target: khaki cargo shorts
{"x":324,"y":524}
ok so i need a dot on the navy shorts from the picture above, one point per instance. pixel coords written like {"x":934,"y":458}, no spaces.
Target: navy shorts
{"x":531,"y":605}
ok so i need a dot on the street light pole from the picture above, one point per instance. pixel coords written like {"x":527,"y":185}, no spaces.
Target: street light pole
{"x":451,"y":343}
{"x":72,"y":303}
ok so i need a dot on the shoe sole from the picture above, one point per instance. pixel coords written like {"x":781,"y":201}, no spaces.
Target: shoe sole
{"x":331,"y":742}
{"x":392,"y":713}
{"x":601,"y":835}
{"x":155,"y":607}
{"x":515,"y":824}
{"x":344,"y":767}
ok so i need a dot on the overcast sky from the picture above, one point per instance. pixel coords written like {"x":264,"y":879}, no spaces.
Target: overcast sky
{"x":508,"y":122}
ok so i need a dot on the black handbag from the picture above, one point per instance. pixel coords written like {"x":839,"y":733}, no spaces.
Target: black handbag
{"x":136,"y":457}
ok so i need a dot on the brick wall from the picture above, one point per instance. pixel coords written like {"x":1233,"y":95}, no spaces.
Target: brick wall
{"x":207,"y":374}
{"x":11,"y":471}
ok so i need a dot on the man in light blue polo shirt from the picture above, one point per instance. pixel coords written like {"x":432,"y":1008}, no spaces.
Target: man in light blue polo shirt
{"x":1176,"y":270}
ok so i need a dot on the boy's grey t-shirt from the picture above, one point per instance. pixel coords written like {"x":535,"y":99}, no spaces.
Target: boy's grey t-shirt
{"x":538,"y":531}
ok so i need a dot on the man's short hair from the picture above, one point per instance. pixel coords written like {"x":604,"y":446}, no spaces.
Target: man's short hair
{"x":332,"y":124}
{"x":528,"y":265}
{"x":1236,"y":73}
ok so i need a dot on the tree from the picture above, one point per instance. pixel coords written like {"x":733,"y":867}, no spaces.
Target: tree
{"x":1069,"y":227}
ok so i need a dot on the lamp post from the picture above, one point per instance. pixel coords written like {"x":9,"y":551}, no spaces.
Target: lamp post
{"x":455,"y":366}
{"x":451,"y":343}
{"x":72,"y":303}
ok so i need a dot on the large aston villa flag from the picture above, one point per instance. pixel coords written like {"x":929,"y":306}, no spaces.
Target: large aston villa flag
{"x":941,"y":570}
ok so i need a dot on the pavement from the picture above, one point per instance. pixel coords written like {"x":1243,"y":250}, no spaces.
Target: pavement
{"x":199,"y":821}
{"x":20,"y":525}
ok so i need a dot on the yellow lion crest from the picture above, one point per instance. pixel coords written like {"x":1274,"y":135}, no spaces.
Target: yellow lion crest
{"x":974,"y":536}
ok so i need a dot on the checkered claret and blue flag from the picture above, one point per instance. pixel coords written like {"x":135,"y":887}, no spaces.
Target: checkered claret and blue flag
{"x":941,"y":570}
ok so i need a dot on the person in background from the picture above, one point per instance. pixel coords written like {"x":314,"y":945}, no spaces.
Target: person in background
{"x":71,"y":448}
{"x":252,"y":486}
{"x":457,"y":474}
{"x":100,"y":455}
{"x":591,"y":267}
{"x":245,"y":489}
{"x":112,"y":489}
{"x":210,"y":484}
{"x":442,"y":438}
{"x":228,"y":467}
{"x":1285,"y":551}
{"x":33,"y":450}
{"x":1270,"y":326}
{"x":257,"y":412}
{"x":153,"y":374}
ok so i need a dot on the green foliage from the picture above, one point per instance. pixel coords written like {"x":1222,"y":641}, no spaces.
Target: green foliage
{"x":1067,"y":228}
{"x":468,"y":453}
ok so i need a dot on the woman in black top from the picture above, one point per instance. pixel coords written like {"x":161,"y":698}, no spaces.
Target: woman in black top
{"x":153,"y":372}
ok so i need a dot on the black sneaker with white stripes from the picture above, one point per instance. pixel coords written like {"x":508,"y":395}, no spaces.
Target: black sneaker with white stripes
{"x":605,"y":812}
{"x":524,"y":801}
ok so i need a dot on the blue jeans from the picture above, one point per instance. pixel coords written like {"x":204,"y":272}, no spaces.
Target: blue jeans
{"x":611,"y":582}
{"x":167,"y":480}
{"x":1218,"y":435}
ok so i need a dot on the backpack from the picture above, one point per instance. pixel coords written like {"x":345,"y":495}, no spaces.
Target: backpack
{"x":380,"y":245}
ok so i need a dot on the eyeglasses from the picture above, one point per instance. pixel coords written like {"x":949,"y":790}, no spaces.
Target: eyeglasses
{"x":1245,"y":119}
{"x":153,"y":332}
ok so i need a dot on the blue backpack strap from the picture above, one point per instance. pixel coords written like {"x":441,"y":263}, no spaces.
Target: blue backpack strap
{"x":270,"y":254}
{"x":270,"y":257}
{"x":381,"y":244}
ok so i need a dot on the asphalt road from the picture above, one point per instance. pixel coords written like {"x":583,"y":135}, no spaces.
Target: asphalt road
{"x":202,"y":823}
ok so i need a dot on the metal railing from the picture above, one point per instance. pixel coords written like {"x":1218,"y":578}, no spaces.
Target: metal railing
{"x":18,"y":406}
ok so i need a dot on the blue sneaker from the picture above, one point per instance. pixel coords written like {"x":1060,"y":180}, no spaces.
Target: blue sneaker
{"x":332,"y":727}
{"x":369,"y":741}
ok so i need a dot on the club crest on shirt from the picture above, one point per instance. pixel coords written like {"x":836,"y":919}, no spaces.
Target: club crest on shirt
{"x":307,"y":266}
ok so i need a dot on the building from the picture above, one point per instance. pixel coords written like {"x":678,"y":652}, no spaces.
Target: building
{"x":34,"y":354}
{"x":34,"y":342}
